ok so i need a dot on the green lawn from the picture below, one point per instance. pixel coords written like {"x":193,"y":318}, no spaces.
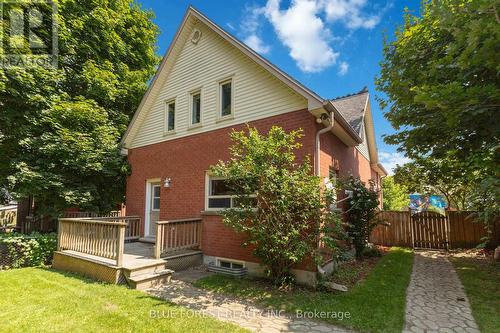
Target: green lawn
{"x":376,"y":304}
{"x":481,"y":280}
{"x":43,"y":300}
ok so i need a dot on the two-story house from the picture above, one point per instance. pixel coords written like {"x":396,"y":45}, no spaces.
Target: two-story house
{"x":208,"y":84}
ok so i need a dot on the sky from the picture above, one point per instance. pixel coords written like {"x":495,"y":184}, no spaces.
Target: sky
{"x":333,"y":47}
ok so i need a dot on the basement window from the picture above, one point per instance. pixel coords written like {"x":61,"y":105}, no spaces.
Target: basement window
{"x":230,"y":264}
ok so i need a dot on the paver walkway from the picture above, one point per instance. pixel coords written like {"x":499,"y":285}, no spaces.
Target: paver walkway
{"x":436,"y":301}
{"x":244,"y":314}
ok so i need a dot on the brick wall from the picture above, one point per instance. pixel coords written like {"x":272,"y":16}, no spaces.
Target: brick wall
{"x":185,"y":161}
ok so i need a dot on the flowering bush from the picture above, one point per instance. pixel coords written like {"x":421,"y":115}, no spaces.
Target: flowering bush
{"x":18,"y":250}
{"x":281,"y":208}
{"x":361,"y":212}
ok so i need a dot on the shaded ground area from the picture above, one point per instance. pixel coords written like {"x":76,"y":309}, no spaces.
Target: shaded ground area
{"x":235,"y":309}
{"x":43,"y":300}
{"x":375,"y":304}
{"x":480,"y":276}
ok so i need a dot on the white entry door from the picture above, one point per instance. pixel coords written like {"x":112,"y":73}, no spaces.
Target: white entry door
{"x":153,"y":207}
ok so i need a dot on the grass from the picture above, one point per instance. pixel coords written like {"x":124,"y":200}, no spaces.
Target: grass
{"x":376,"y":304}
{"x":481,"y":282}
{"x":43,"y":300}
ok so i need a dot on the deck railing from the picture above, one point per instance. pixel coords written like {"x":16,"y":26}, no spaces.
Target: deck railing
{"x":177,"y":235}
{"x":92,"y":236}
{"x":133,"y":229}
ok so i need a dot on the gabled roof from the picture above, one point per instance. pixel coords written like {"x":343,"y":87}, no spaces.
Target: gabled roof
{"x":353,"y":107}
{"x":347,"y":109}
{"x":314,"y":100}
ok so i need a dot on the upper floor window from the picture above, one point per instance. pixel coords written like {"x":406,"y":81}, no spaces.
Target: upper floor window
{"x":226,"y":98}
{"x":196,"y":108}
{"x":170,"y":117}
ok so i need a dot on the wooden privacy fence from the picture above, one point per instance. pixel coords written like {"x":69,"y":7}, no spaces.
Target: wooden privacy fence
{"x":177,"y":235}
{"x":99,"y":238}
{"x":459,"y":229}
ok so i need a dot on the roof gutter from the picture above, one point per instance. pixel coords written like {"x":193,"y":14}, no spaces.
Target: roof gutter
{"x":340,"y":119}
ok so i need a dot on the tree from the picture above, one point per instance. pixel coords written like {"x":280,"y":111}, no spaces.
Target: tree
{"x":438,"y":176}
{"x":440,"y":75}
{"x":395,"y":195}
{"x":280,"y":206}
{"x":361,"y":212}
{"x":60,"y":127}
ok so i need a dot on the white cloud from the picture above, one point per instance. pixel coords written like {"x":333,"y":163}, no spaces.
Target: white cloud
{"x":230,"y":26}
{"x":301,"y":29}
{"x":343,"y":68}
{"x":391,"y":160}
{"x":250,"y":27}
{"x":350,"y":13}
{"x":257,"y":44}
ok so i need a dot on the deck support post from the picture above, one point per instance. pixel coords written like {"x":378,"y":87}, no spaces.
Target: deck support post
{"x":158,"y":241}
{"x":120,"y":245}
{"x":59,"y":235}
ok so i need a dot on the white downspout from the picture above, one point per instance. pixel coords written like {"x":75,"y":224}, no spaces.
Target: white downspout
{"x":317,"y":159}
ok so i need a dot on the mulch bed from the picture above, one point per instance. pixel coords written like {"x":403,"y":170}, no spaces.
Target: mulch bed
{"x":351,"y":272}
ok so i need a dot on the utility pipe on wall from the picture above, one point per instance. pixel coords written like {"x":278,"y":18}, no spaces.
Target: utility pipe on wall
{"x":317,"y":159}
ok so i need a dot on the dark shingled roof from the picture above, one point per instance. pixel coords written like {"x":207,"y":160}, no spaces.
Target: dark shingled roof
{"x":352,"y":108}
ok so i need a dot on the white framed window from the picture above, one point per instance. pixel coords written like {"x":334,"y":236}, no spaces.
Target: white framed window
{"x":169,"y":116}
{"x":226,"y":99}
{"x":218,"y":195}
{"x":229,"y":263}
{"x":155,"y":197}
{"x":195,"y":108}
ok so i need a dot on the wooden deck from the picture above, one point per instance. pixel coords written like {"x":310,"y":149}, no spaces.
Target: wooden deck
{"x":96,"y":247}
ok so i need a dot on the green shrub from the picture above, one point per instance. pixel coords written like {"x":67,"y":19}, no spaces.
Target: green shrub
{"x":20,"y":250}
{"x":281,"y":210}
{"x":370,"y":252}
{"x":361,"y":212}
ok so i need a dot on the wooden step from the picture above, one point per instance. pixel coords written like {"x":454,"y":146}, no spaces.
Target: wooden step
{"x":150,"y":280}
{"x":144,"y":269}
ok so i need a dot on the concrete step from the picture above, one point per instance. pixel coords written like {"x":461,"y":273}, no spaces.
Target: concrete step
{"x":145,"y":269}
{"x":150,"y":240}
{"x":150,"y":280}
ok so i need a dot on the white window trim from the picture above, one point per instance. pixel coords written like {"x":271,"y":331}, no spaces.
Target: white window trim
{"x":190,"y":108}
{"x":219,"y":98}
{"x":219,"y":259}
{"x":209,"y":177}
{"x":165,"y":116}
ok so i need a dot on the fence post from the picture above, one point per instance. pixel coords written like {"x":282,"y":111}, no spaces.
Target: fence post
{"x":120,"y":245}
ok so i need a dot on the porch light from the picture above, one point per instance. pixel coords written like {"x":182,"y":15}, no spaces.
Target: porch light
{"x":167,"y":182}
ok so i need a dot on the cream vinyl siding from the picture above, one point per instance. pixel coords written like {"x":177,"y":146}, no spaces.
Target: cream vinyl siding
{"x":363,"y":147}
{"x":257,"y":94}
